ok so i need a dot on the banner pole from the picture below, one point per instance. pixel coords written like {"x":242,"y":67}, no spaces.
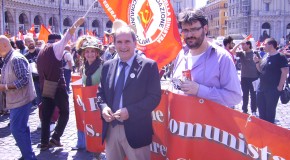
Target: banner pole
{"x":89,"y":9}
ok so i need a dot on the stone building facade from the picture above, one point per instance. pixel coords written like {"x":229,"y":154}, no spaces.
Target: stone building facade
{"x":20,"y":15}
{"x":216,"y":12}
{"x":270,"y":18}
{"x":179,"y":5}
{"x":261,"y":18}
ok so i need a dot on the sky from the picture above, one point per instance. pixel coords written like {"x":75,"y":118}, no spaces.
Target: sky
{"x":200,"y":3}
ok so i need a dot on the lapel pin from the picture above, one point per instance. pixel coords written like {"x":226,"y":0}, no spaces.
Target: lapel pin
{"x":132,"y":75}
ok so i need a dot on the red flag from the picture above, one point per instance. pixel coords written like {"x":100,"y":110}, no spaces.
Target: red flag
{"x":249,"y":37}
{"x":111,"y":39}
{"x":90,"y":33}
{"x":32,"y":30}
{"x":263,"y":44}
{"x":258,"y":43}
{"x":106,"y":41}
{"x":20,"y":36}
{"x":43,"y":33}
{"x":49,"y":28}
{"x":157,"y":31}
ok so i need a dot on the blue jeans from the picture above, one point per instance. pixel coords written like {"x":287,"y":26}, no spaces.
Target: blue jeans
{"x":81,"y":143}
{"x":20,"y":130}
{"x":37,"y":100}
{"x":267,"y":103}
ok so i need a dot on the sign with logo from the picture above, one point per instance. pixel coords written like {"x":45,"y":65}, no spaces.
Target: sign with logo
{"x":157,"y":32}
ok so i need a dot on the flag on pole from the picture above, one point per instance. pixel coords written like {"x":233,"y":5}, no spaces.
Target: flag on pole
{"x":49,"y":28}
{"x":258,"y":43}
{"x":90,"y":33}
{"x":249,"y":37}
{"x":20,"y":36}
{"x":106,"y":40}
{"x":32,"y":30}
{"x":157,"y":31}
{"x":43,"y":33}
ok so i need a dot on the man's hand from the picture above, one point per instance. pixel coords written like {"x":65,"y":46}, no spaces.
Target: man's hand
{"x":121,"y":114}
{"x":107,"y":114}
{"x":256,"y":59}
{"x":79,"y":22}
{"x":189,"y":87}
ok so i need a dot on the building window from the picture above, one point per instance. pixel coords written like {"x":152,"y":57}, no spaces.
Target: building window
{"x":81,"y":2}
{"x":267,"y":6}
{"x":67,"y":1}
{"x":96,"y":4}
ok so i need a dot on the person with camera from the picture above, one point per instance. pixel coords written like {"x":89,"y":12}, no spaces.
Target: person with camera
{"x":273,"y":68}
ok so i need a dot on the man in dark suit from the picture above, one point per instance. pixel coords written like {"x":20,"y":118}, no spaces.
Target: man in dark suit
{"x":129,"y":91}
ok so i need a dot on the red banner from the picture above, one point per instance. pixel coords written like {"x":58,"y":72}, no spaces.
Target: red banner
{"x":194,"y":128}
{"x":160,"y":120}
{"x":77,"y":97}
{"x":201,"y":129}
{"x":92,"y":120}
{"x":157,"y":31}
{"x":88,"y":116}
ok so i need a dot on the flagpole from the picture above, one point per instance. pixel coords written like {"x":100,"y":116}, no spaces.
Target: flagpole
{"x":89,"y":9}
{"x":3,"y":17}
{"x":60,"y":17}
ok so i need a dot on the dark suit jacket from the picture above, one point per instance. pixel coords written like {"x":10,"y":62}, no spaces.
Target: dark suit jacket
{"x":141,"y":95}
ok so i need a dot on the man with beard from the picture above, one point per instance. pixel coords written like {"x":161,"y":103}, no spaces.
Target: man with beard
{"x":209,"y":69}
{"x":31,"y":56}
{"x":229,"y":46}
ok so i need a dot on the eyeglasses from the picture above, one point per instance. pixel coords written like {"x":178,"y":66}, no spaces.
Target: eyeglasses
{"x":192,"y":30}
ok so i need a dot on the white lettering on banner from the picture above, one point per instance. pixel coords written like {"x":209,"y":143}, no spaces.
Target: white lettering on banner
{"x":165,"y":22}
{"x":133,"y":6}
{"x":157,"y":116}
{"x":80,"y":103}
{"x":93,"y":104}
{"x":152,"y":22}
{"x":90,"y":131}
{"x":158,"y":148}
{"x":207,"y":132}
{"x":109,"y":9}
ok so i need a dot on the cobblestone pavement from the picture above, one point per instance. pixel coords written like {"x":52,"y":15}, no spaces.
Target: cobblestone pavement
{"x":9,"y":150}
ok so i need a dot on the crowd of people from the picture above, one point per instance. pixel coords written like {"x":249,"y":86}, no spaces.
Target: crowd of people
{"x":40,"y":76}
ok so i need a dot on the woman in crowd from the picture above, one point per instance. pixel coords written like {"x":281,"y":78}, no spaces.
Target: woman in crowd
{"x":90,"y":49}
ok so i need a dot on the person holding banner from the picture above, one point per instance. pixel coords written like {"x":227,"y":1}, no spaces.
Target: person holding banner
{"x":50,"y":70}
{"x":90,"y":48}
{"x":204,"y":69}
{"x":274,"y":69}
{"x":129,"y":91}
